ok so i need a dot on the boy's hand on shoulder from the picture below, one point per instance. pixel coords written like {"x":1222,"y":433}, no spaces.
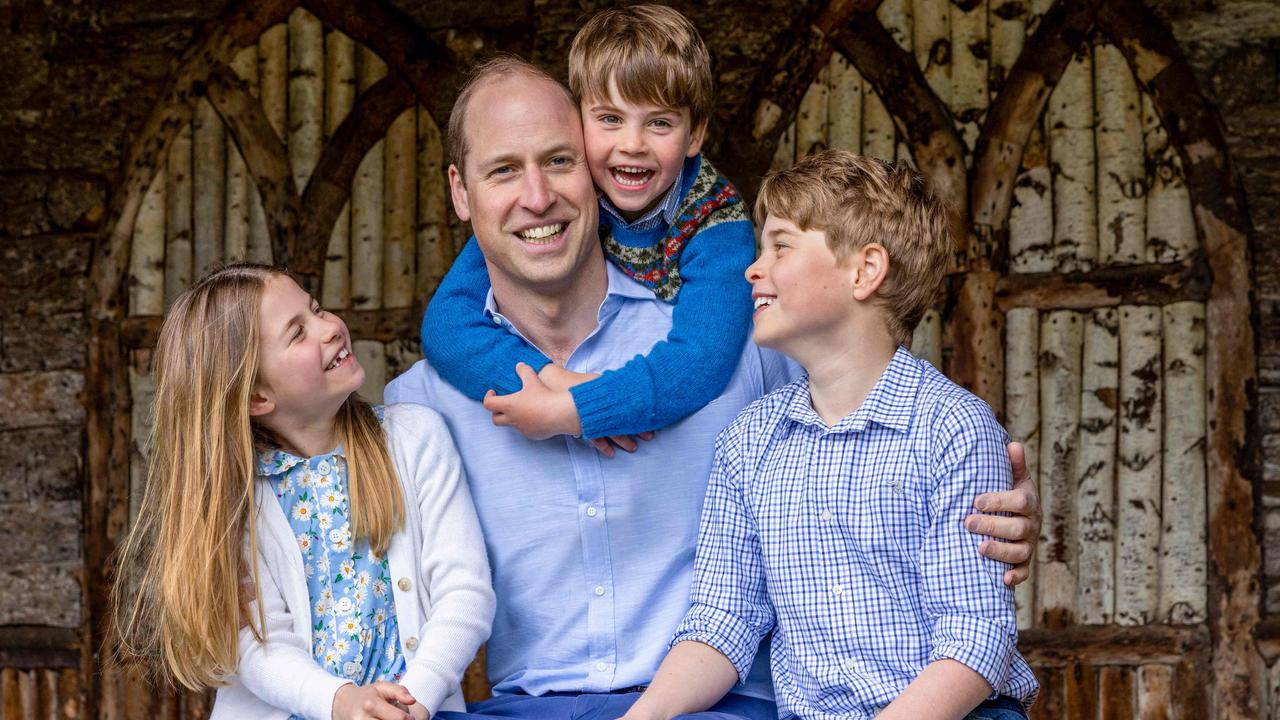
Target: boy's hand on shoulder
{"x":1020,"y":530}
{"x":536,"y":410}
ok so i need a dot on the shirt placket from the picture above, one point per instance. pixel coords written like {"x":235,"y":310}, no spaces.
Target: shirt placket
{"x":593,"y":530}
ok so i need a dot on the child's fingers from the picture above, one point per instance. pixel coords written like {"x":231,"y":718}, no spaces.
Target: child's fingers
{"x":626,"y":442}
{"x":527,"y":375}
{"x":646,"y":435}
{"x":392,"y":692}
{"x":603,"y":446}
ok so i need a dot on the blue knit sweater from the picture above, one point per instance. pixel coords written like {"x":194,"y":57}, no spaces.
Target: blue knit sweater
{"x":710,"y":321}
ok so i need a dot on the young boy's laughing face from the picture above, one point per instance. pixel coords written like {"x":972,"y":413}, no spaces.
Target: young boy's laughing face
{"x":635,"y":150}
{"x":803,"y":295}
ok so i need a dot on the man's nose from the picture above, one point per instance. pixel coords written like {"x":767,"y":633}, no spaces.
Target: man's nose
{"x":536,"y":196}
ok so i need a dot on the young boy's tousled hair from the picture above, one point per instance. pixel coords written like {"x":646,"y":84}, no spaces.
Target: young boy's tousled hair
{"x":653,"y":54}
{"x":857,"y":200}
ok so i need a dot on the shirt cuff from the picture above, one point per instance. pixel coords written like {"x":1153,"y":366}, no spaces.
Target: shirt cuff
{"x":724,"y":631}
{"x":984,"y":646}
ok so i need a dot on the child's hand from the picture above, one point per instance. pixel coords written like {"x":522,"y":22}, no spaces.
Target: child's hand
{"x":537,"y":411}
{"x":626,"y":442}
{"x":558,"y":378}
{"x":375,"y":701}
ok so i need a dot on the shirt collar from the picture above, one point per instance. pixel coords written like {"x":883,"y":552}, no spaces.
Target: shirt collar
{"x":274,"y":461}
{"x":664,"y":213}
{"x":890,"y":403}
{"x":620,"y":286}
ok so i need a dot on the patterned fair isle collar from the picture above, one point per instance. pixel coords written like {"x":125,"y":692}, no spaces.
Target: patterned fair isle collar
{"x":275,"y":461}
{"x":890,"y":403}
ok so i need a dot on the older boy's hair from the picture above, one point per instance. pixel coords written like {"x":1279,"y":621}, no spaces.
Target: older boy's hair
{"x":497,"y":67}
{"x":652,"y":52}
{"x":859,"y":200}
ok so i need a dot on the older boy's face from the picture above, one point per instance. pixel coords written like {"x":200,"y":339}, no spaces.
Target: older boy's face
{"x":526,"y":189}
{"x":636,"y":150}
{"x":802,"y":293}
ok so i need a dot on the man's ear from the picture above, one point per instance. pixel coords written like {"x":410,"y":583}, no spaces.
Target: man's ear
{"x":458,"y":191}
{"x":695,"y":139}
{"x":260,"y":403}
{"x":870,"y":268}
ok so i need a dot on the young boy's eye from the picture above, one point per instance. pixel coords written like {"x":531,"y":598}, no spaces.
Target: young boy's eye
{"x":662,"y":123}
{"x":610,"y":119}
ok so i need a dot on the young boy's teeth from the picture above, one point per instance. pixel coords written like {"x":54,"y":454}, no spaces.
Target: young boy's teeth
{"x":342,"y":355}
{"x":541,"y":233}
{"x":631,"y":175}
{"x":763,"y":301}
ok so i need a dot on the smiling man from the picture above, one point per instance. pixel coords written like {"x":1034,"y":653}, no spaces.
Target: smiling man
{"x":591,"y":556}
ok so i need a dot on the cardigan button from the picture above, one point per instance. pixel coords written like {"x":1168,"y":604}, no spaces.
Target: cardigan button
{"x":411,"y":644}
{"x":404,"y":584}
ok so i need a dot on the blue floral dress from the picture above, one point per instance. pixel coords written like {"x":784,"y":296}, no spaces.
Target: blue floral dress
{"x":354,"y":634}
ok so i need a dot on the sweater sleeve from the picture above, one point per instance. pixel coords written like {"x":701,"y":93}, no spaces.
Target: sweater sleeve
{"x":453,"y":567}
{"x":471,"y":353}
{"x":689,"y":369}
{"x":281,"y":671}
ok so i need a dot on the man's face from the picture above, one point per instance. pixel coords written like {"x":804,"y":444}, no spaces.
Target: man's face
{"x":525,"y":186}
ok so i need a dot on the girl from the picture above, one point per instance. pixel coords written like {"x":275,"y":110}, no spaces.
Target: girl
{"x":368,"y":589}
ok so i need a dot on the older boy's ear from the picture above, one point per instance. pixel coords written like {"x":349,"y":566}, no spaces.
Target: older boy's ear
{"x":695,"y":139}
{"x":458,"y":192}
{"x":870,"y":267}
{"x":260,"y":404}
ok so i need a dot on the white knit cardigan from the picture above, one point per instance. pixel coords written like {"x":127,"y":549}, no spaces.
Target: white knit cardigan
{"x":439,"y":577}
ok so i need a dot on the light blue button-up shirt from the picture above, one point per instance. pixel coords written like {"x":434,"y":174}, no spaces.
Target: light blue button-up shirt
{"x":592,"y":557}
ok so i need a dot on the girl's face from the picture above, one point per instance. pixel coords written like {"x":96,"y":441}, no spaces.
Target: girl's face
{"x":306,"y":367}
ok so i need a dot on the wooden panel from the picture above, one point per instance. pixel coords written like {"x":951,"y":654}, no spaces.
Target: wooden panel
{"x":1122,"y":211}
{"x":177,"y":257}
{"x":340,"y":93}
{"x":400,"y":211}
{"x":208,"y":188}
{"x":1060,"y":349}
{"x":926,"y":340}
{"x":1155,"y":690}
{"x":306,"y":94}
{"x":1095,"y":497}
{"x":1115,"y":693}
{"x":435,"y":246}
{"x":146,"y":257}
{"x":239,"y":195}
{"x":366,"y":207}
{"x":1080,"y":691}
{"x":1022,"y":415}
{"x":844,"y":105}
{"x":373,"y":358}
{"x":811,"y":118}
{"x":1071,"y":151}
{"x":1031,"y":215}
{"x":1171,"y":228}
{"x":970,"y":50}
{"x":1138,"y":471}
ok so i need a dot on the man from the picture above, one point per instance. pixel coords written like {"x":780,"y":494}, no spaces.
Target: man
{"x":591,"y":556}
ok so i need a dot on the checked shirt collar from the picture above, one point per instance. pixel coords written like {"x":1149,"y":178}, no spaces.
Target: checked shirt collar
{"x":890,"y":403}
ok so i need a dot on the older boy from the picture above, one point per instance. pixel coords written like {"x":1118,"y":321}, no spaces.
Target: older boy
{"x":834,"y":515}
{"x":642,"y":78}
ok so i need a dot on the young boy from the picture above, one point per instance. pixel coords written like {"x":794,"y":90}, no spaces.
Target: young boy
{"x":642,"y":78}
{"x":834,"y":515}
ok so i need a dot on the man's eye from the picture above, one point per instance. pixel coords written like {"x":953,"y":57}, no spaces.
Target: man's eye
{"x":560,"y":161}
{"x":499,"y":171}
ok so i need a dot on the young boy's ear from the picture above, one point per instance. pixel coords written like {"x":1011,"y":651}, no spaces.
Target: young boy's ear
{"x":458,"y":192}
{"x":870,"y":268}
{"x":695,"y":139}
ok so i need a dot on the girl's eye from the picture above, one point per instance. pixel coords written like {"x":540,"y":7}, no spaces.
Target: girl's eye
{"x":297,"y":335}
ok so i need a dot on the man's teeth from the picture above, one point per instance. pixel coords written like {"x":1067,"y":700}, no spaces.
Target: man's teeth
{"x":342,"y":355}
{"x":627,"y":175}
{"x":763,"y":301}
{"x":541,"y":233}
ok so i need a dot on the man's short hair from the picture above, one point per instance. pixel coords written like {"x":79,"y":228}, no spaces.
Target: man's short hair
{"x":497,"y":67}
{"x":652,"y":52}
{"x":857,"y":200}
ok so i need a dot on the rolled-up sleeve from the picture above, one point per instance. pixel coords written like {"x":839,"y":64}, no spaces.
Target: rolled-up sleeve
{"x":968,"y":606}
{"x":730,"y":608}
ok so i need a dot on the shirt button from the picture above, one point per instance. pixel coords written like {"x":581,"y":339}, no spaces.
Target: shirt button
{"x":599,"y":590}
{"x":838,"y":589}
{"x":850,"y":665}
{"x":404,"y":584}
{"x":826,"y":515}
{"x":601,"y":667}
{"x":592,"y":512}
{"x":497,"y":320}
{"x":411,"y":644}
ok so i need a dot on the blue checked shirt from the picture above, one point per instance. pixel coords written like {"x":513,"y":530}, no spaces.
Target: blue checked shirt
{"x":848,"y":543}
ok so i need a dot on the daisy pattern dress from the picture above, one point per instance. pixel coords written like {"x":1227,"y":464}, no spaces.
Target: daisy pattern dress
{"x":354,"y":634}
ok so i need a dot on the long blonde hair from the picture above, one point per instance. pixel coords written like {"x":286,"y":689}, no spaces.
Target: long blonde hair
{"x":176,"y":605}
